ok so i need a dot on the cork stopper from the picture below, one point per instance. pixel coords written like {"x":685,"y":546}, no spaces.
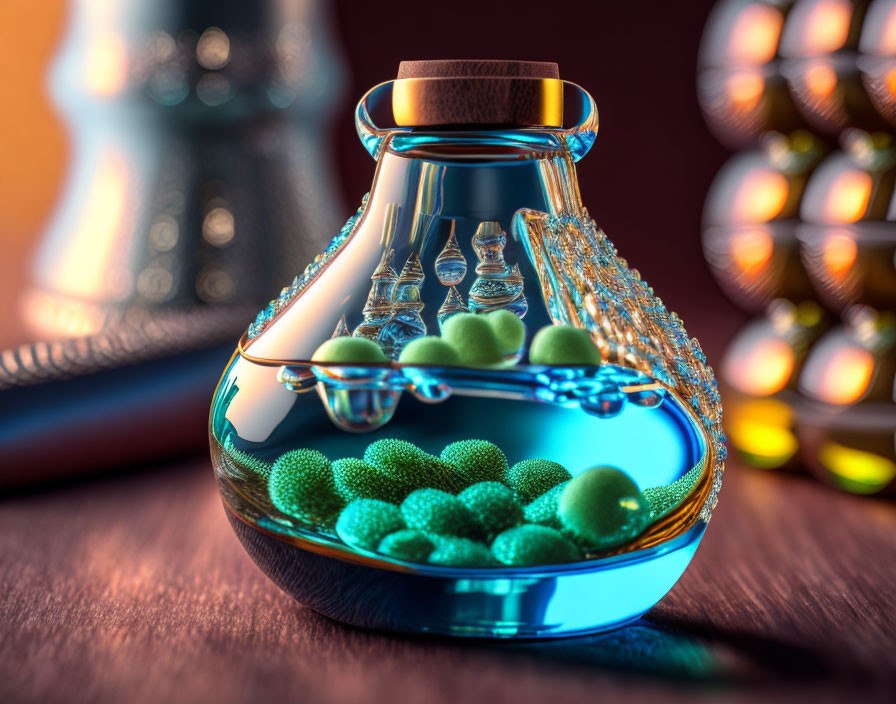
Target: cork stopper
{"x":471,"y":93}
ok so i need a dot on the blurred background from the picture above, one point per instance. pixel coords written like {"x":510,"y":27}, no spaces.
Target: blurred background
{"x":165,"y":168}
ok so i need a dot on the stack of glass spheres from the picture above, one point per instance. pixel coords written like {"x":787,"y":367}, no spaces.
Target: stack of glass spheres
{"x":803,"y":233}
{"x":468,"y":415}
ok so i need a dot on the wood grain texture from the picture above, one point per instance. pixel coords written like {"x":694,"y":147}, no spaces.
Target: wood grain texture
{"x":134,"y":589}
{"x":452,"y":68}
{"x":477,"y":92}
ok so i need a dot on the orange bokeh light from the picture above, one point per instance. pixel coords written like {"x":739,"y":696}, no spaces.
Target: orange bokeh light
{"x":839,"y":254}
{"x":745,"y":89}
{"x":890,"y":80}
{"x":848,"y":197}
{"x":762,"y":369}
{"x":827,"y":27}
{"x":761,"y":196}
{"x":751,"y":250}
{"x":845,"y":376}
{"x":756,"y":34}
{"x":821,"y":80}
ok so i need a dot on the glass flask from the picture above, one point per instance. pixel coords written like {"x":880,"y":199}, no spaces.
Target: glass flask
{"x":468,"y":416}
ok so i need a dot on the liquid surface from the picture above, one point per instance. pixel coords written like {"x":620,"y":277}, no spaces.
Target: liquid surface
{"x":577,"y":417}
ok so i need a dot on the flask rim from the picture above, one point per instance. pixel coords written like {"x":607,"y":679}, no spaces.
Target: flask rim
{"x":578,"y":138}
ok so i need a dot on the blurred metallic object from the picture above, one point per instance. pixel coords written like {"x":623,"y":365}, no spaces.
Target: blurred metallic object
{"x":849,"y":232}
{"x":847,"y":425}
{"x":741,"y":89}
{"x":199,"y":173}
{"x":820,"y":45}
{"x":750,"y":221}
{"x":788,"y":229}
{"x":877,"y":60}
{"x":199,"y":176}
{"x":760,"y":374}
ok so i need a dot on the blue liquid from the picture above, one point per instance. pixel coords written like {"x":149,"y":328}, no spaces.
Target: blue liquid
{"x":528,"y":414}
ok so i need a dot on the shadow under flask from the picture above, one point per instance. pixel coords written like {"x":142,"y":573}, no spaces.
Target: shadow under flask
{"x":468,"y":416}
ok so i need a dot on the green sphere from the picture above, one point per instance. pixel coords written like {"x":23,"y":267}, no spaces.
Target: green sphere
{"x":531,"y":478}
{"x":409,"y":467}
{"x":429,"y":350}
{"x":434,"y":511}
{"x":543,"y":510}
{"x":493,"y":505}
{"x":365,"y":522}
{"x":473,"y":339}
{"x":356,"y":479}
{"x":347,"y":350}
{"x":476,"y":460}
{"x":563,"y":344}
{"x":530,"y":545}
{"x":509,"y":330}
{"x":408,"y":544}
{"x":460,"y":552}
{"x":301,"y":485}
{"x":603,"y":508}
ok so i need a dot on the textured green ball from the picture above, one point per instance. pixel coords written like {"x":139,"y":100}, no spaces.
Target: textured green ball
{"x":408,"y":544}
{"x":408,"y":466}
{"x":349,"y":349}
{"x":533,"y":545}
{"x":476,"y":460}
{"x":563,"y":344}
{"x":473,"y":339}
{"x":531,"y":478}
{"x":603,"y":507}
{"x":429,"y":350}
{"x":543,"y":510}
{"x":356,"y":479}
{"x":493,"y":505}
{"x":434,"y":511}
{"x":365,"y":522}
{"x":460,"y":552}
{"x":247,"y":463}
{"x":509,"y":330}
{"x":301,"y":485}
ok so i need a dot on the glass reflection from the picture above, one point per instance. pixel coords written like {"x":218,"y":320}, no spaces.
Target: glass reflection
{"x":171,"y":105}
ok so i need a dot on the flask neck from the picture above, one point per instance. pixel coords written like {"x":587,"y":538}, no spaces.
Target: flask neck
{"x":472,"y":176}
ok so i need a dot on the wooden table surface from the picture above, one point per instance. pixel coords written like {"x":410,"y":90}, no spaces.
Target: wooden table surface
{"x":134,"y":589}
